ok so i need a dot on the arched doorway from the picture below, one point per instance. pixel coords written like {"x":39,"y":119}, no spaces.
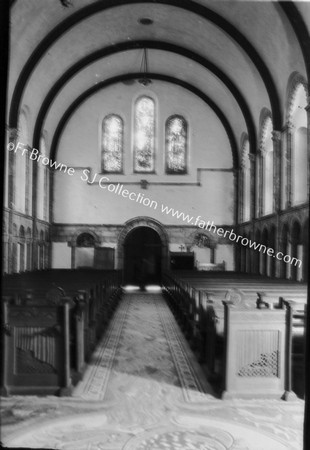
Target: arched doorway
{"x":142,"y":256}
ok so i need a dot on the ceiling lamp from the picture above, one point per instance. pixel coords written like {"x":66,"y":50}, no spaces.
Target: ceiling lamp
{"x":145,"y":21}
{"x":144,"y":80}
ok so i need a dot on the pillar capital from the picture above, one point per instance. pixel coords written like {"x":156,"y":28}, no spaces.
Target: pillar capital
{"x":289,"y":127}
{"x":252,"y":157}
{"x":262,"y":151}
{"x":276,"y":136}
{"x":13,"y":132}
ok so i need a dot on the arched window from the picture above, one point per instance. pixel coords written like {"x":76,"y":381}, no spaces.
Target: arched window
{"x":295,"y":159}
{"x":299,"y":151}
{"x":144,"y":135}
{"x":46,"y":194}
{"x":300,"y":166}
{"x":112,"y":144}
{"x":21,"y":248}
{"x":29,"y":249}
{"x":41,"y":188}
{"x":176,"y":145}
{"x":21,"y":184}
{"x":267,"y":166}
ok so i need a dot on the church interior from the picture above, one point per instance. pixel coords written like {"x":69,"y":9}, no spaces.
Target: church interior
{"x":155,"y":225}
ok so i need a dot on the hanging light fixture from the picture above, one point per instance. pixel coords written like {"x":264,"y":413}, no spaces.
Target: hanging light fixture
{"x":144,"y":80}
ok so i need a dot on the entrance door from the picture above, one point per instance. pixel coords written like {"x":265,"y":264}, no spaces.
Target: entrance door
{"x":142,"y":257}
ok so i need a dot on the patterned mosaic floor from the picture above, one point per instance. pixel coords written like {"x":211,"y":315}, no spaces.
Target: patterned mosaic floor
{"x":145,"y":391}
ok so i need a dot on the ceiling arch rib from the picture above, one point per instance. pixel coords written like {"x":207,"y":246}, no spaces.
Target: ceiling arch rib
{"x":126,"y":62}
{"x":187,"y":5}
{"x":300,"y":30}
{"x":150,"y":45}
{"x":155,"y":76}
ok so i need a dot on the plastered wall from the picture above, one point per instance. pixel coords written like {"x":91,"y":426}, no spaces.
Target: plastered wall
{"x":89,"y":197}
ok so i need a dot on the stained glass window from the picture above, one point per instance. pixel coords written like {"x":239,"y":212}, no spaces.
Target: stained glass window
{"x":144,"y":135}
{"x":112,"y":144}
{"x":176,"y":143}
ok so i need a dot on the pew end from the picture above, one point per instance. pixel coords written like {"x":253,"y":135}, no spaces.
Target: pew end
{"x":256,"y":354}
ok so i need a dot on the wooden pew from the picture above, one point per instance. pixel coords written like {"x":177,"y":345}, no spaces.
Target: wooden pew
{"x":89,"y":308}
{"x":35,"y":352}
{"x":296,"y":335}
{"x":208,"y":311}
{"x":255,"y":352}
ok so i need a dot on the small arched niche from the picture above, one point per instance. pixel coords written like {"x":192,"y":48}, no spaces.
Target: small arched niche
{"x":85,"y":250}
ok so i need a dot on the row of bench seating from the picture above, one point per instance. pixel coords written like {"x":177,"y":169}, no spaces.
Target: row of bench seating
{"x":52,"y":321}
{"x":208,"y":306}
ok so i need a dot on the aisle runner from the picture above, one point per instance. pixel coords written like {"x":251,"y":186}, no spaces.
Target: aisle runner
{"x":149,"y":398}
{"x":143,"y":340}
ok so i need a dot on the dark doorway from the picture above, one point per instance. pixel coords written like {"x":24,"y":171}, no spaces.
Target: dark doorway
{"x":142,"y":257}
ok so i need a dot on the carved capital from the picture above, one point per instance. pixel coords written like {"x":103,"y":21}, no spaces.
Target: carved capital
{"x":262,"y":151}
{"x":252,"y":157}
{"x":13,"y":132}
{"x":290,"y":127}
{"x":276,"y":136}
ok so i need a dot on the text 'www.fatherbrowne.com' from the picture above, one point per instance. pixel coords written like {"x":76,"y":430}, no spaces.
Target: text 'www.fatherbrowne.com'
{"x":118,"y":189}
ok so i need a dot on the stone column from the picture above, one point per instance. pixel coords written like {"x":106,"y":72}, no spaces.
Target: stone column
{"x":212,"y":254}
{"x":5,"y":255}
{"x":252,"y":184}
{"x":12,"y":166}
{"x":236,"y":192}
{"x":66,"y":386}
{"x":10,"y":255}
{"x":73,"y":253}
{"x":276,"y":137}
{"x":308,"y":145}
{"x":289,"y":167}
{"x":261,"y":179}
{"x":277,"y":193}
{"x":241,"y":194}
{"x":34,"y":246}
{"x":237,"y":206}
{"x":11,"y":194}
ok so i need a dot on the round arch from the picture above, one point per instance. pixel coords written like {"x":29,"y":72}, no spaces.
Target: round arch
{"x":156,"y":76}
{"x":98,"y":6}
{"x":143,"y":221}
{"x":295,"y":81}
{"x":79,"y":233}
{"x":160,"y":45}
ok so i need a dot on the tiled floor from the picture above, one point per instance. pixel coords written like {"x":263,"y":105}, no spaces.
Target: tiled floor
{"x":145,"y":391}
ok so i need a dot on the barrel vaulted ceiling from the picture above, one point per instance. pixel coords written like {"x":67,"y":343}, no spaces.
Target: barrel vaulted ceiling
{"x":236,"y":55}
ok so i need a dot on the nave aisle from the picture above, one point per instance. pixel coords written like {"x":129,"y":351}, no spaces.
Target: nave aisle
{"x":144,"y":390}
